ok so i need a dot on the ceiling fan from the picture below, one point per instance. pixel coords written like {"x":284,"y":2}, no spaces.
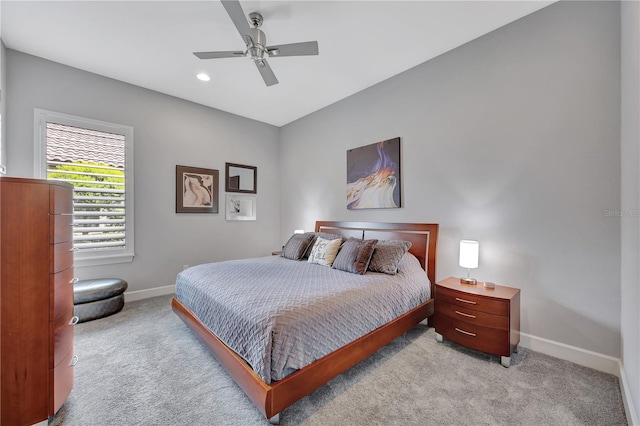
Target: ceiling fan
{"x":256,"y":43}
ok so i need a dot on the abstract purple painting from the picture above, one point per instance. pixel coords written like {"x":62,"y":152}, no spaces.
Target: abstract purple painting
{"x":373,"y":176}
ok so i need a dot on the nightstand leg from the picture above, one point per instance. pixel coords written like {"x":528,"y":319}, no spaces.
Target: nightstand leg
{"x":275,"y":420}
{"x":505,"y":361}
{"x":516,"y":349}
{"x":439,"y":337}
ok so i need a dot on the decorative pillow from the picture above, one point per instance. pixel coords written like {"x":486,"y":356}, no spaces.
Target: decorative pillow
{"x":324,"y":235}
{"x":354,"y":255}
{"x":324,"y":251}
{"x":387,"y":254}
{"x":297,"y":246}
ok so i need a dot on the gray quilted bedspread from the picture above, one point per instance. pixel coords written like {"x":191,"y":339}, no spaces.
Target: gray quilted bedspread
{"x":280,"y":315}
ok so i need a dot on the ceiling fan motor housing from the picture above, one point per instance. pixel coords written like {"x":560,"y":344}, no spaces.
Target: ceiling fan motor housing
{"x":257,"y":52}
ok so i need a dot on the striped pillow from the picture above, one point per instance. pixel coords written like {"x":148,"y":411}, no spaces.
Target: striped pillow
{"x":297,"y":246}
{"x":354,"y":255}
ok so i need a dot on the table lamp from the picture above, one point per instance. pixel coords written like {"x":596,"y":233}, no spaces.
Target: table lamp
{"x":469,"y":259}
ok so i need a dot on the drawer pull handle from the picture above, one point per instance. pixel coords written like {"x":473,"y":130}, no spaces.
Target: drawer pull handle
{"x":465,"y":315}
{"x":465,"y":332}
{"x":466,"y":301}
{"x":74,"y":320}
{"x":74,"y":280}
{"x":74,"y":361}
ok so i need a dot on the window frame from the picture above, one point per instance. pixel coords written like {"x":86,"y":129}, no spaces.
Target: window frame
{"x":41,"y":118}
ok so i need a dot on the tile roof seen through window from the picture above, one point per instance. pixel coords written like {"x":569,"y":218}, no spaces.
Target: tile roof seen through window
{"x":70,"y":144}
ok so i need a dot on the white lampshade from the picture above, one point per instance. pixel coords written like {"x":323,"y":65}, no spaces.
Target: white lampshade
{"x":469,"y":254}
{"x":299,"y":231}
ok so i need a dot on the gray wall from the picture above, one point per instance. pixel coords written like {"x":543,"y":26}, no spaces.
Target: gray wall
{"x":167,"y":131}
{"x":3,"y":105}
{"x":511,"y":139}
{"x":630,"y":147}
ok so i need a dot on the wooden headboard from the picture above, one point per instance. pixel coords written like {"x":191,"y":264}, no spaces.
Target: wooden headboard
{"x":423,"y":237}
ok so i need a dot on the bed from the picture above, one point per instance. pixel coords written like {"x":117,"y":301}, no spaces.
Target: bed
{"x":273,"y":378}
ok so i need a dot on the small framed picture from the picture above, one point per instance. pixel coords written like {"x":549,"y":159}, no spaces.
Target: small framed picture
{"x":196,"y":190}
{"x":241,"y":207}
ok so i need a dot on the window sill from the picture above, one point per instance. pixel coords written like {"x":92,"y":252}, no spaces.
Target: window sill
{"x":102,"y":260}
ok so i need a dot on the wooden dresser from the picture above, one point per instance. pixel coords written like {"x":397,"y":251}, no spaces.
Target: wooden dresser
{"x":36,"y":299}
{"x":485,"y":319}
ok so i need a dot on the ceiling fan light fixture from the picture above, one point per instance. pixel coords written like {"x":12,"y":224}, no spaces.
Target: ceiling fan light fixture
{"x":256,"y":53}
{"x":203,"y":77}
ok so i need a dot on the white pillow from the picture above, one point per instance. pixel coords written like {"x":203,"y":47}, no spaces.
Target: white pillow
{"x":324,"y":251}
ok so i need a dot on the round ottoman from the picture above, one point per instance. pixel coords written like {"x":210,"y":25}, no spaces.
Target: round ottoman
{"x":98,"y":298}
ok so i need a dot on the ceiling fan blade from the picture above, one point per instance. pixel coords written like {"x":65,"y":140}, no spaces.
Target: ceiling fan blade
{"x":215,"y":55}
{"x":238,"y":17}
{"x":266,"y":72}
{"x":294,"y":49}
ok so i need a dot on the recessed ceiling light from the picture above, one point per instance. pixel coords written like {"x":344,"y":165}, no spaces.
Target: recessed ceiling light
{"x":204,"y":77}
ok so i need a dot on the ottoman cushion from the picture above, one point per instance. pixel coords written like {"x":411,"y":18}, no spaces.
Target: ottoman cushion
{"x":85,"y":291}
{"x":98,"y":298}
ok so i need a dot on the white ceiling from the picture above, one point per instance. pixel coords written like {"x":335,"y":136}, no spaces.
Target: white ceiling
{"x":150,"y":44}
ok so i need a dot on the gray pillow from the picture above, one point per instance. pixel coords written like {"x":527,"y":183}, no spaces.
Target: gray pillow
{"x":354,"y":255}
{"x":297,"y":246}
{"x":387,"y":254}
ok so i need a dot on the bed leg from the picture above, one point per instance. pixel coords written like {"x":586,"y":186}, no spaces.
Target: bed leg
{"x":275,"y":420}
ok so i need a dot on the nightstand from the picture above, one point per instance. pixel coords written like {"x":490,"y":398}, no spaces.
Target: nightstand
{"x":485,"y":319}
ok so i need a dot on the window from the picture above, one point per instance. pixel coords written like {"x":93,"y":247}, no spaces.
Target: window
{"x":97,"y":159}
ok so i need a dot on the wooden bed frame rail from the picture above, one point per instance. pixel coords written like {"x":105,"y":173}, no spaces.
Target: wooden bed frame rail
{"x":272,"y":399}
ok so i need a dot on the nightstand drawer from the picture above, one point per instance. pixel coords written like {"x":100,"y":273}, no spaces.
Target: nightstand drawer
{"x":479,"y":318}
{"x":472,"y":301}
{"x":473,"y":336}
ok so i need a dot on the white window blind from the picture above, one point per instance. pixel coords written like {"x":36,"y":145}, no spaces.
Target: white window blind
{"x":95,"y":158}
{"x":94,"y":163}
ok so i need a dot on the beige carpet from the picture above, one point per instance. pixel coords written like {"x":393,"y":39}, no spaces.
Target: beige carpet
{"x":143,"y":366}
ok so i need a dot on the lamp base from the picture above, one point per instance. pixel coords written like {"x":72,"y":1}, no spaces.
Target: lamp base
{"x":469,"y":281}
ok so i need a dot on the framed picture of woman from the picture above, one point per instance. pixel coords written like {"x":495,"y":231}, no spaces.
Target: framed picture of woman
{"x":196,"y":190}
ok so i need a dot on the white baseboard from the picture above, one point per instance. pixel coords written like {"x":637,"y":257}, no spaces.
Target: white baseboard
{"x":632,"y":416}
{"x":584,"y":357}
{"x":595,"y":360}
{"x":130,"y":296}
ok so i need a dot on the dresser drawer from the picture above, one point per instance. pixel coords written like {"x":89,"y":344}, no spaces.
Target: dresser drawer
{"x":479,"y":318}
{"x":473,"y":336}
{"x":61,"y":257}
{"x":61,"y":338}
{"x":472,"y":301}
{"x":61,"y":293}
{"x":61,"y":382}
{"x":61,"y":199}
{"x":60,"y":228}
